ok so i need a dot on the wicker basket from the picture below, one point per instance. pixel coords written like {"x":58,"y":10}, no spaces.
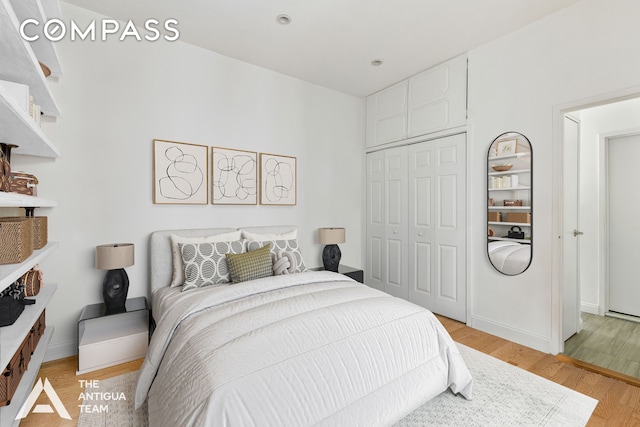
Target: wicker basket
{"x":16,"y":239}
{"x":40,"y":229}
{"x":40,"y":232}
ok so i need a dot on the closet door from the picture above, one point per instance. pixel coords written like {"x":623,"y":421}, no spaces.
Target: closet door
{"x":396,"y":284}
{"x":436,"y":230}
{"x":421,"y":228}
{"x":376,"y":254}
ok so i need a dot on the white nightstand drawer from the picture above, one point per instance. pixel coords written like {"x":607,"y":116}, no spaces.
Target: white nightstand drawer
{"x":111,"y":340}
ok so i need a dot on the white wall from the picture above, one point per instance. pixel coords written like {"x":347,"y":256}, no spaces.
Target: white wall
{"x":594,"y":124}
{"x":116,"y":97}
{"x":515,"y":83}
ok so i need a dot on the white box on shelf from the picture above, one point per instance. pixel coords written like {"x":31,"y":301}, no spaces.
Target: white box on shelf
{"x":18,"y":92}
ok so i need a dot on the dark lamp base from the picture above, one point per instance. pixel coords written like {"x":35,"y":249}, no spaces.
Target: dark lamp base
{"x":114,"y":290}
{"x":331,"y":257}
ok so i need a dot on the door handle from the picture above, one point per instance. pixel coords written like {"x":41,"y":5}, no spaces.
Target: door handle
{"x":577,"y":233}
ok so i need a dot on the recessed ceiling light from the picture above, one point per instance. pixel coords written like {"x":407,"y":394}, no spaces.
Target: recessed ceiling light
{"x":376,"y":62}
{"x":283,"y":19}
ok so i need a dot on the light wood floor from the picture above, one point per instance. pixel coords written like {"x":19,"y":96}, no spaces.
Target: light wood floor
{"x":608,"y":342}
{"x":619,"y":402}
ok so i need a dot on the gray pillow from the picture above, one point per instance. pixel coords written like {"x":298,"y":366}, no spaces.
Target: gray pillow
{"x":205,"y":264}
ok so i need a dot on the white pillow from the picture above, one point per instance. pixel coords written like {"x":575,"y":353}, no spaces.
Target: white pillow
{"x":178,"y":264}
{"x":261,"y":237}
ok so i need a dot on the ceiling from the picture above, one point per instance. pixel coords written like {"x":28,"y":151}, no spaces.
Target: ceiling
{"x":332,"y":42}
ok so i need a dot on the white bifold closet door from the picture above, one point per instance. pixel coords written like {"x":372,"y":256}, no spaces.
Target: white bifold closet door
{"x":416,"y":215}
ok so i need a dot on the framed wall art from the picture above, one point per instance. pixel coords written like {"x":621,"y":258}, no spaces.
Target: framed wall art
{"x":278,"y":180}
{"x":180,"y":173}
{"x":235,"y":176}
{"x":507,"y":147}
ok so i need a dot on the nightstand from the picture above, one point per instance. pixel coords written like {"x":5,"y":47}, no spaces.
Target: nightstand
{"x":107,"y":339}
{"x":354,"y":273}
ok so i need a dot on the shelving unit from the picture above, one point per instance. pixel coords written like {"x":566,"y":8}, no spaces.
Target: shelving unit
{"x":520,"y":171}
{"x":19,"y":64}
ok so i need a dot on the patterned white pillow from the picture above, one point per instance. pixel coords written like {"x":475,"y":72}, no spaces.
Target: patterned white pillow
{"x":290,"y":245}
{"x":178,"y":266}
{"x":205,"y":264}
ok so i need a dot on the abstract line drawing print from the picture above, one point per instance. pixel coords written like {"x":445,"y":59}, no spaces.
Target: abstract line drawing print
{"x":234,"y":176}
{"x":180,"y":173}
{"x":278,"y":177}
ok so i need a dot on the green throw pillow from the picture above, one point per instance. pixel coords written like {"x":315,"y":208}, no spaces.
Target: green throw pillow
{"x":250,"y":265}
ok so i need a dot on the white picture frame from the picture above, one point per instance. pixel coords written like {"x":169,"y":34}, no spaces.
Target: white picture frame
{"x":507,"y":147}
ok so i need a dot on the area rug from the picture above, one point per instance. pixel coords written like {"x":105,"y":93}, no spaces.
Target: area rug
{"x":503,"y":395}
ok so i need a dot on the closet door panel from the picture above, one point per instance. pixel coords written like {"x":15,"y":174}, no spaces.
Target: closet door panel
{"x":449,"y":267}
{"x":420,"y":230}
{"x":375,"y":250}
{"x":396,"y":221}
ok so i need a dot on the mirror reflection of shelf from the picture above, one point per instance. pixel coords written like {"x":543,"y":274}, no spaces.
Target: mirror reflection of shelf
{"x":510,"y":172}
{"x":510,"y":188}
{"x":525,"y":241}
{"x":521,"y":224}
{"x":511,"y":156}
{"x":509,"y":208}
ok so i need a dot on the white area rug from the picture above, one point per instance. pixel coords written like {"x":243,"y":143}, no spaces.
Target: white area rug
{"x":504,"y":395}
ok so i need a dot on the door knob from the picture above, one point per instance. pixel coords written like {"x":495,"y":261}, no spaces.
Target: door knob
{"x":577,"y":233}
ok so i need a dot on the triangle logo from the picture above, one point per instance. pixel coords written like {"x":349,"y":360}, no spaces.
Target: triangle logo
{"x":38,"y":388}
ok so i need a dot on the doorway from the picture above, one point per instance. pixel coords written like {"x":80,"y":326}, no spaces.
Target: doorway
{"x":605,"y":135}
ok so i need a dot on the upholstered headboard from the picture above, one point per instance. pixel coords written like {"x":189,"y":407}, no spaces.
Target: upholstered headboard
{"x":160,"y":248}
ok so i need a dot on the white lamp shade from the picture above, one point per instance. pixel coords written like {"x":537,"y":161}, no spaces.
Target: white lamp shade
{"x":331,"y":236}
{"x":114,"y":256}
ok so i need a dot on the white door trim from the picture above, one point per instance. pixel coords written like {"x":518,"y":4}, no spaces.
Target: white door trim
{"x":557,"y":270}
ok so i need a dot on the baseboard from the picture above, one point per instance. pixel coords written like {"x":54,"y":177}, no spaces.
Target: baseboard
{"x":61,"y":350}
{"x":590,"y":308}
{"x":510,"y":333}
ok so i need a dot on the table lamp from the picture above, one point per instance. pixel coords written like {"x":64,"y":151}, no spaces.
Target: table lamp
{"x":331,"y":254}
{"x":114,"y":258}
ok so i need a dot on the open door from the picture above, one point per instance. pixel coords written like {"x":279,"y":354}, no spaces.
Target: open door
{"x":571,"y":232}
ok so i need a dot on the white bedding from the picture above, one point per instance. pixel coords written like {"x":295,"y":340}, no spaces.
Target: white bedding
{"x":305,"y":349}
{"x":509,"y":257}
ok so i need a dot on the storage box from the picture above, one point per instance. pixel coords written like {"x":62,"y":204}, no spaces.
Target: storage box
{"x":40,"y":231}
{"x":16,"y":239}
{"x":521,"y":217}
{"x":23,"y":183}
{"x":513,"y":202}
{"x":37,"y":331}
{"x":494,"y":216}
{"x":13,"y":372}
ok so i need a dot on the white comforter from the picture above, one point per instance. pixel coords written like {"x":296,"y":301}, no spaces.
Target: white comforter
{"x":296,"y":350}
{"x":510,"y":257}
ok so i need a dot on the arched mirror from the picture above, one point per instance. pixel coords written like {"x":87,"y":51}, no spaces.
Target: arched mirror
{"x":509,"y":210}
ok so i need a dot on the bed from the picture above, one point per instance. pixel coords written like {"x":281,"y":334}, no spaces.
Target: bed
{"x":305,"y":348}
{"x":509,"y":257}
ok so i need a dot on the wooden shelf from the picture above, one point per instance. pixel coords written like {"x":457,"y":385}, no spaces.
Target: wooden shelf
{"x":44,"y":49}
{"x":9,"y":273}
{"x":19,"y":62}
